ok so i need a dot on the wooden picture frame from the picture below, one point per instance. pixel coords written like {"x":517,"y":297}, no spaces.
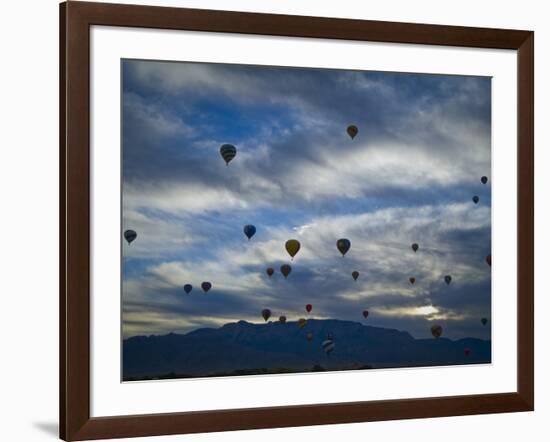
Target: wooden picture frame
{"x":75,"y":21}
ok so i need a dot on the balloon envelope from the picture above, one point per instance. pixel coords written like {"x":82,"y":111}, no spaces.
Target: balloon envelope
{"x":484,"y":321}
{"x":187,"y":288}
{"x":475,"y":199}
{"x":249,"y":230}
{"x":308,"y":308}
{"x":266,"y":314}
{"x":437,"y":331}
{"x":352,"y":131}
{"x":448,"y":279}
{"x":484,"y":179}
{"x":130,"y":235}
{"x":412,"y":280}
{"x":269,"y":271}
{"x":365,"y":313}
{"x":206,"y":286}
{"x":355,"y":275}
{"x":302,"y":322}
{"x":414,"y":247}
{"x":343,"y":245}
{"x":282,"y":319}
{"x":292,"y":246}
{"x":285,"y":270}
{"x":228,"y":152}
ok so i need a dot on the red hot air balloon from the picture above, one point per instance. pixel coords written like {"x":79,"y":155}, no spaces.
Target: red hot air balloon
{"x":308,"y":308}
{"x":365,"y":313}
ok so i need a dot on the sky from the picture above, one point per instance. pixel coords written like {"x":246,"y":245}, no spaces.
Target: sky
{"x":408,"y":177}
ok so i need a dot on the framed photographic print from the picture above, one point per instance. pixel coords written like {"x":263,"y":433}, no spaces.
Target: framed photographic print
{"x":272,"y":221}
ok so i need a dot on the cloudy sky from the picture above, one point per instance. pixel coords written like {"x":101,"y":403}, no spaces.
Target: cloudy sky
{"x":409,"y":176}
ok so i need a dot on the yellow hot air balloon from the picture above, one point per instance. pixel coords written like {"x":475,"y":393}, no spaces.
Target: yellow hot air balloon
{"x":292,"y":246}
{"x":302,"y":322}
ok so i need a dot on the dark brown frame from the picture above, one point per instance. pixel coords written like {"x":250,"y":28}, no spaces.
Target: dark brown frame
{"x":75,"y":21}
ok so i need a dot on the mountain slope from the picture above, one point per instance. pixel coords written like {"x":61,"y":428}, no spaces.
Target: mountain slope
{"x":284,"y":347}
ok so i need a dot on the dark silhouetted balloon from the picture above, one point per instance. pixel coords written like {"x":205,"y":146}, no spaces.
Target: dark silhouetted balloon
{"x":302,"y":322}
{"x":282,"y":319}
{"x":352,"y":131}
{"x":228,"y":152}
{"x":206,"y":286}
{"x":484,"y":321}
{"x":365,"y":314}
{"x":308,"y":308}
{"x":130,"y":235}
{"x":412,"y":280}
{"x":475,"y":199}
{"x":249,"y":230}
{"x":448,"y":279}
{"x":488,"y":259}
{"x":187,"y":288}
{"x":266,"y":314}
{"x":343,"y":245}
{"x":437,"y":331}
{"x":292,"y":246}
{"x":285,"y":270}
{"x":414,"y":247}
{"x":355,"y":275}
{"x":466,"y":352}
{"x":269,"y":271}
{"x":484,"y":179}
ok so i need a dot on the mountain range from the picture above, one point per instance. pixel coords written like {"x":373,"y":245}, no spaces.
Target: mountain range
{"x":247,"y":348}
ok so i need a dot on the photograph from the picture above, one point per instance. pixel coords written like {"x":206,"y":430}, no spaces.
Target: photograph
{"x":284,"y":220}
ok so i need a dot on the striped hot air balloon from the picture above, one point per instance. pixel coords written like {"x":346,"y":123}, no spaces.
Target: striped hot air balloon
{"x":228,"y":152}
{"x":328,"y":345}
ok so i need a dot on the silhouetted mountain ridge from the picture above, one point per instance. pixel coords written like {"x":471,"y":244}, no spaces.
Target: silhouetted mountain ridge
{"x":284,"y":347}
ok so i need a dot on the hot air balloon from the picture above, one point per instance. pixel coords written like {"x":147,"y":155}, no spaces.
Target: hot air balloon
{"x":302,"y":322}
{"x":249,"y":230}
{"x":355,"y":275}
{"x":292,"y":246}
{"x":228,"y":152}
{"x":352,"y":131}
{"x":130,"y":235}
{"x":448,"y":279}
{"x":269,"y":271}
{"x":488,"y":260}
{"x":414,"y":247}
{"x":343,"y":245}
{"x":412,"y":280}
{"x":437,"y":330}
{"x":282,"y":319}
{"x":285,"y":270}
{"x":308,"y":308}
{"x":309,"y":336}
{"x":206,"y":286}
{"x":466,"y":352}
{"x":484,"y":321}
{"x":475,"y":199}
{"x":187,"y":288}
{"x":266,"y":314}
{"x":365,"y":313}
{"x":484,"y":179}
{"x":328,"y":345}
